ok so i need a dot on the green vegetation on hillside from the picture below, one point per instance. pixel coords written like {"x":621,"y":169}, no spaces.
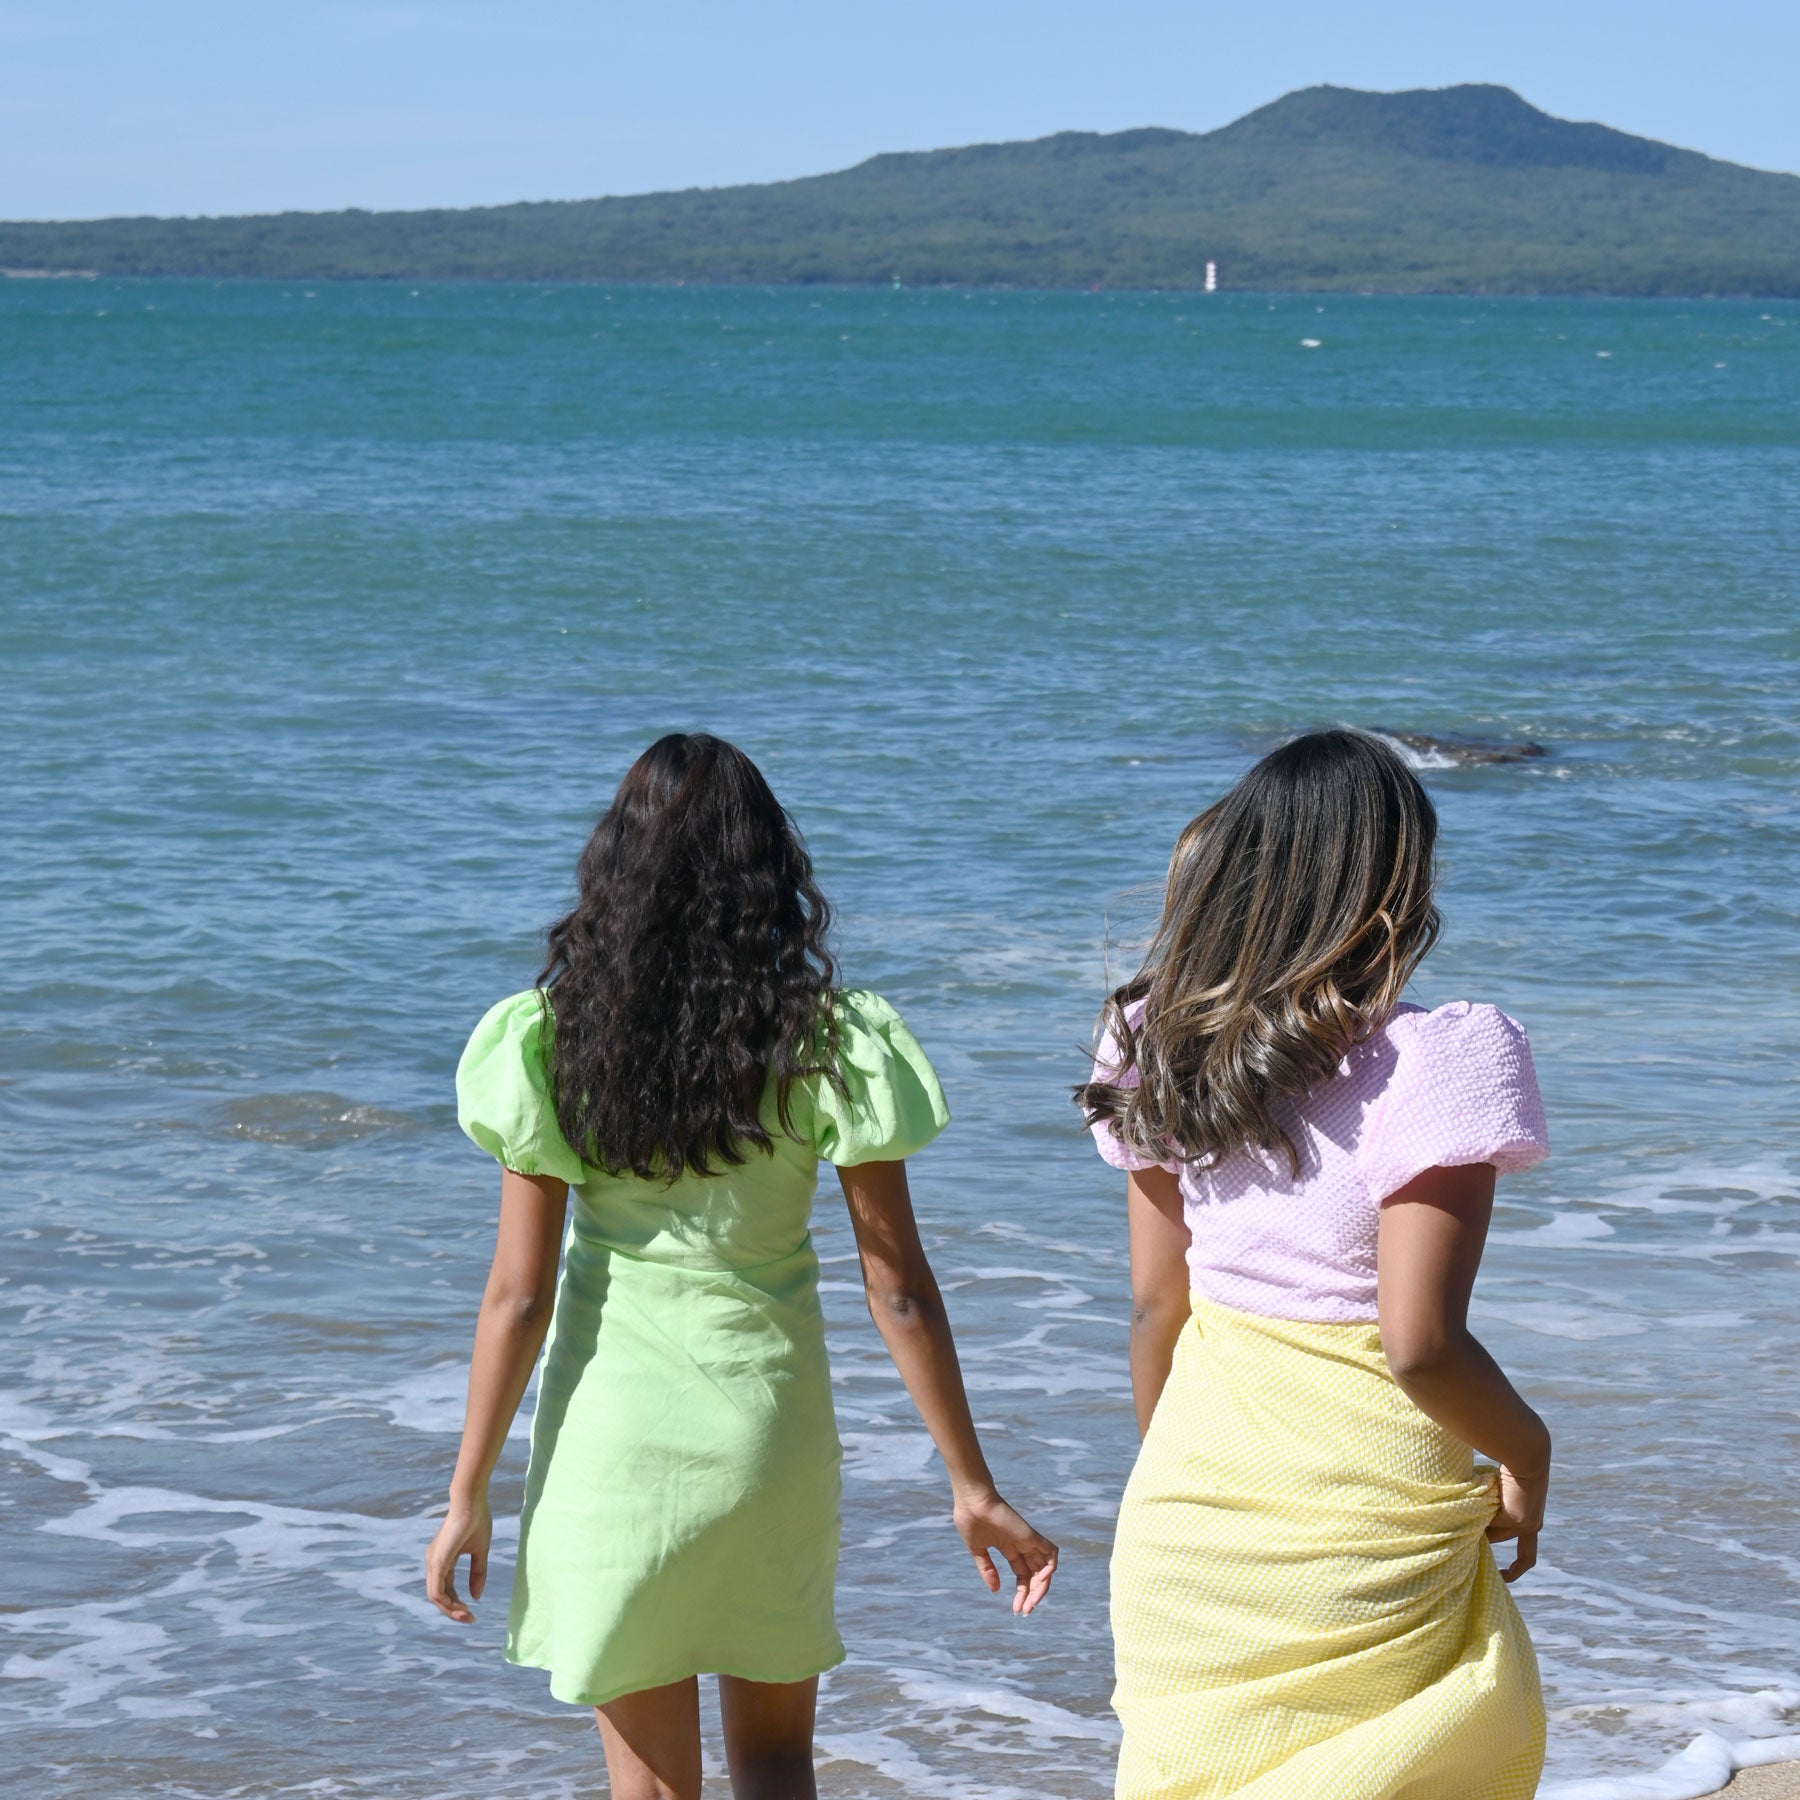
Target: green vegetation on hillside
{"x":1453,"y":190}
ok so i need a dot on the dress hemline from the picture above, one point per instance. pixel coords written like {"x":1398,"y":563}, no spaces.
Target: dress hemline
{"x":683,"y":1672}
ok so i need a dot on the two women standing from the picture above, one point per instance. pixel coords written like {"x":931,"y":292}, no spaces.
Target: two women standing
{"x":1304,"y":1601}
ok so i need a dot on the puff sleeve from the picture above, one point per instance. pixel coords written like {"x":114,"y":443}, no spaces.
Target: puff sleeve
{"x":502,"y":1091}
{"x":891,"y":1103}
{"x":1463,"y":1091}
{"x":1113,"y":1149}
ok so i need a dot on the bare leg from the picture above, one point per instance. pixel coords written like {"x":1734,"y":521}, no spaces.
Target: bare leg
{"x":769,"y":1737}
{"x":652,"y":1741}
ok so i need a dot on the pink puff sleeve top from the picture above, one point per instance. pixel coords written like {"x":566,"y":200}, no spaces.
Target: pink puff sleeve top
{"x":1428,"y":1090}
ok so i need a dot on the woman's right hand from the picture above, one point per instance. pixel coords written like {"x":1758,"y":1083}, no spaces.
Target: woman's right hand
{"x":467,"y":1530}
{"x":1520,"y":1515}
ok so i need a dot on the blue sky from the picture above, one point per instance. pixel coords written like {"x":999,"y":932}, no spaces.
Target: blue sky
{"x":200,"y":106}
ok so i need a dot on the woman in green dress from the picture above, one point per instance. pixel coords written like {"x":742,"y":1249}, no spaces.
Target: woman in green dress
{"x":683,"y":1065}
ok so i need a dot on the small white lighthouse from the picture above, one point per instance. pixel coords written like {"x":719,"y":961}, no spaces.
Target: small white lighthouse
{"x":1212,"y":277}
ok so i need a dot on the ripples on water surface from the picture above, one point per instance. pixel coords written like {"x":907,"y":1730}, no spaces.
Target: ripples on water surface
{"x":332,"y":615}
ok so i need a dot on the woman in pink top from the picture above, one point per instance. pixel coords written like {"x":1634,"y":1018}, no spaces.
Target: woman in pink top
{"x":1305,"y":1603}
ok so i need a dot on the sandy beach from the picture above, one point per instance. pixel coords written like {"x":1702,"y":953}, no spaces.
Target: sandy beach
{"x":1779,"y":1781}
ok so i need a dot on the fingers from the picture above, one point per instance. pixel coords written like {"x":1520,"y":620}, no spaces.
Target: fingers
{"x":1507,"y":1523}
{"x":1032,"y":1568}
{"x":1035,"y":1577}
{"x":984,"y":1565}
{"x":1021,"y":1579}
{"x":1524,"y":1558}
{"x":440,"y":1587}
{"x":1030,"y":1555}
{"x":477,"y":1570}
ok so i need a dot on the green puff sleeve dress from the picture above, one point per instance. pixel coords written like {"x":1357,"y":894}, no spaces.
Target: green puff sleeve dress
{"x":681,"y":1505}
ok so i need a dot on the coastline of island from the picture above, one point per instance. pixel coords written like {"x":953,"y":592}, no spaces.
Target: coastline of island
{"x":1466,"y":190}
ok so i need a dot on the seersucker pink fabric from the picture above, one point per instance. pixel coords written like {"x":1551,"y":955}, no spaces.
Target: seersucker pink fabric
{"x":1428,"y":1090}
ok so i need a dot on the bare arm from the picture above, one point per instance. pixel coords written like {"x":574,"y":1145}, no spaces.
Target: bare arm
{"x":509,"y":1333}
{"x":909,"y":1313}
{"x":1160,"y":1306}
{"x":1432,"y":1235}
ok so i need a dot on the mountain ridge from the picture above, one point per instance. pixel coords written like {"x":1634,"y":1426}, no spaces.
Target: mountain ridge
{"x":1430,"y":131}
{"x":1467,"y":189}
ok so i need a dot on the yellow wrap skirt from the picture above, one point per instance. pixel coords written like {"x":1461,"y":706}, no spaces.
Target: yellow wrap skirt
{"x":1305,"y":1605}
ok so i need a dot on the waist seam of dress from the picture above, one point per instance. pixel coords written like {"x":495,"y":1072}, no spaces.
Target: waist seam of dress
{"x":663,"y":1262}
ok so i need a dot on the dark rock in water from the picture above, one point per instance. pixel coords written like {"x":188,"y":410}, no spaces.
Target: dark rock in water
{"x":1431,"y":750}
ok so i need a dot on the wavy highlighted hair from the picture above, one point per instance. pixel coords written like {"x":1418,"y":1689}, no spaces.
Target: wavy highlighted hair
{"x":1297,"y":909}
{"x":693,"y":964}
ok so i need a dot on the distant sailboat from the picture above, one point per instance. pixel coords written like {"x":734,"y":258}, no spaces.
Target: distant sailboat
{"x":1212,"y":277}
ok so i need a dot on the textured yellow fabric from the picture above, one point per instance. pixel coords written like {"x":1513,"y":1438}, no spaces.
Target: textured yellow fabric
{"x":1304,"y":1604}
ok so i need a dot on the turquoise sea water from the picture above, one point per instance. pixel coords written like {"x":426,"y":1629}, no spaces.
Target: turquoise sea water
{"x":329,"y":618}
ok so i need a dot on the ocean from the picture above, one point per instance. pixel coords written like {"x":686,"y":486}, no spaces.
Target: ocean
{"x":329,"y":617}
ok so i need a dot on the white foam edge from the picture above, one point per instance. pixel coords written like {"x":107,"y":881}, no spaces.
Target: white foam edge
{"x":896,"y":1761}
{"x":383,"y":1553}
{"x":891,"y":1455}
{"x":1417,"y":760}
{"x":1044,"y":1716}
{"x":1704,"y":1767}
{"x":433,"y":1398}
{"x":30,"y":1424}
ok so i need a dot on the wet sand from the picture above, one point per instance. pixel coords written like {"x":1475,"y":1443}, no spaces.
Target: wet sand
{"x":1778,"y":1781}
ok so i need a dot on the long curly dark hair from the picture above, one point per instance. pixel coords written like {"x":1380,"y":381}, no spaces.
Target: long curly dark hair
{"x":1297,"y":909}
{"x":693,"y":965}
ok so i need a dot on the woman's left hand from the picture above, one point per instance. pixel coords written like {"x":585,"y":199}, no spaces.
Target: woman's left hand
{"x":467,"y":1530}
{"x":986,"y":1523}
{"x":1519,"y":1515}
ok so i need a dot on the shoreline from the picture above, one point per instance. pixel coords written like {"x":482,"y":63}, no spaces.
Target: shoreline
{"x":876,"y":285}
{"x":1771,"y":1781}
